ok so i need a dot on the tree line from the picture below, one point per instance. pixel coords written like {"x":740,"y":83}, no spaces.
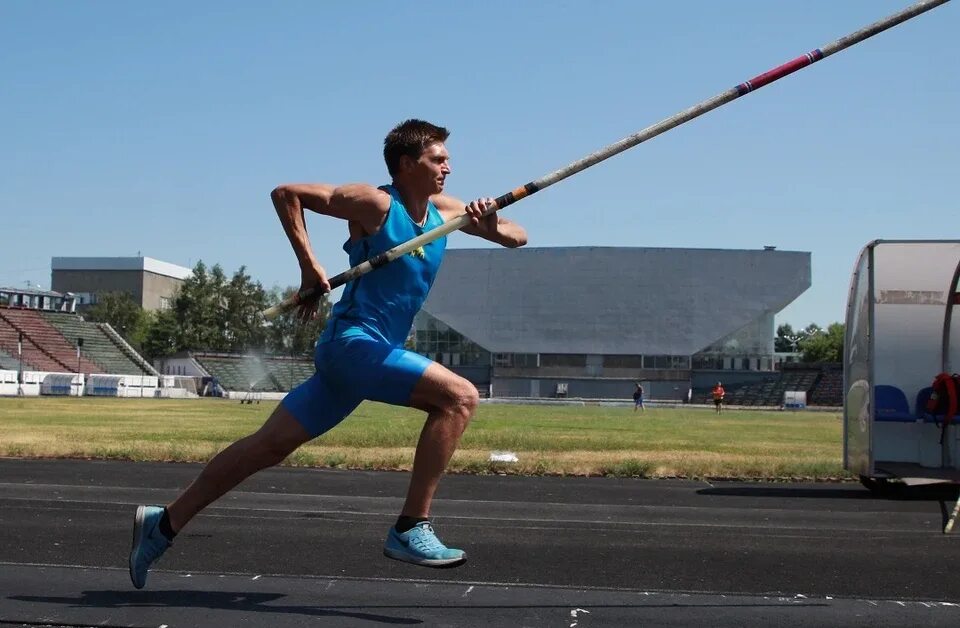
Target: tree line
{"x":814,"y":343}
{"x":211,"y":312}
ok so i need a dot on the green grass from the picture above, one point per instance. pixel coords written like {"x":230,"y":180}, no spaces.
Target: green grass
{"x":568,"y":440}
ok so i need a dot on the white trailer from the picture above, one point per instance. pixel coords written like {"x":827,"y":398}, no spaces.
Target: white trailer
{"x":898,"y":338}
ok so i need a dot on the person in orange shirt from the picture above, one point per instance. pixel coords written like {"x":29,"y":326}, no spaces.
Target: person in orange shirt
{"x":718,"y":393}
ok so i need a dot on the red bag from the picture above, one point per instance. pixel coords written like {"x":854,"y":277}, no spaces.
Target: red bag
{"x":943,"y":399}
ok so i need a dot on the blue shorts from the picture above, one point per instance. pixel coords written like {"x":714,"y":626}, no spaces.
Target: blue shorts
{"x":350,"y":370}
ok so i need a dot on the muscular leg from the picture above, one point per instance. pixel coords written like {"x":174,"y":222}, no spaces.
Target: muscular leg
{"x":268,"y":446}
{"x":450,"y":402}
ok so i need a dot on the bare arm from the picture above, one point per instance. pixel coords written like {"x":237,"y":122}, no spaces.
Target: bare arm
{"x":494,"y":227}
{"x":362,"y":205}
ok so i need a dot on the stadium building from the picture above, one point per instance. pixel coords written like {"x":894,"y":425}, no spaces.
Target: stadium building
{"x":589,"y":322}
{"x":151,"y":283}
{"x":583,"y":322}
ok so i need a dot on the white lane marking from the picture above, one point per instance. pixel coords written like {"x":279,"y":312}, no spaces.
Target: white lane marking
{"x":475,"y":583}
{"x":739,"y":526}
{"x":564,"y":505}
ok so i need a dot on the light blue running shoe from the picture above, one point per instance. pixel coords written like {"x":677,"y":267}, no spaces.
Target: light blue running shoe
{"x":148,"y":543}
{"x":419,"y":545}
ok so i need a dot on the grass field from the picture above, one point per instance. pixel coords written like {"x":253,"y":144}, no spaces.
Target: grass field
{"x":568,"y":440}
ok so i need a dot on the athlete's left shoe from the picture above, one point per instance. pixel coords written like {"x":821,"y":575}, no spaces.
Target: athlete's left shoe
{"x":419,"y":545}
{"x":149,"y":543}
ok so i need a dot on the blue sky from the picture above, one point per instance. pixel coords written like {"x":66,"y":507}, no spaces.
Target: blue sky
{"x":160,"y":128}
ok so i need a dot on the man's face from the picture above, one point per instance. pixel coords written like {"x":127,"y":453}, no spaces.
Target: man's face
{"x":430,"y":170}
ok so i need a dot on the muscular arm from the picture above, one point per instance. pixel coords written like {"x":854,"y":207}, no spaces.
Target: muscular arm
{"x":362,"y":205}
{"x":358,"y":203}
{"x":494,"y":228}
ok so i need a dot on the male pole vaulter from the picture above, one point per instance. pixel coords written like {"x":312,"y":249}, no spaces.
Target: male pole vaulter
{"x":360,"y":354}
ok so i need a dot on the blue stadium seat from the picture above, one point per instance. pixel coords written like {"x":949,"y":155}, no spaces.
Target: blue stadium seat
{"x":891,"y":405}
{"x":922,"y":413}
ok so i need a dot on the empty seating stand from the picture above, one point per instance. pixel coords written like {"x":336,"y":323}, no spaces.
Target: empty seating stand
{"x":828,"y":389}
{"x":97,"y":344}
{"x":44,"y":347}
{"x":8,"y":362}
{"x":289,"y":372}
{"x":238,"y":372}
{"x":245,"y":373}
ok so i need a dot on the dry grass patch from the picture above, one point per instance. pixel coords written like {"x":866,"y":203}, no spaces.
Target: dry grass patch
{"x":567,"y":440}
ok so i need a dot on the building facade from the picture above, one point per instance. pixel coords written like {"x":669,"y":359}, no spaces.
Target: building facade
{"x":151,"y":283}
{"x":591,"y":321}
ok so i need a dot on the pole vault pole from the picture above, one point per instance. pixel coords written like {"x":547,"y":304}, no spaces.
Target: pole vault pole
{"x":616,"y":148}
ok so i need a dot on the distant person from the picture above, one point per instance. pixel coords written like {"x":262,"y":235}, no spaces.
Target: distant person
{"x":718,"y":394}
{"x":638,"y":398}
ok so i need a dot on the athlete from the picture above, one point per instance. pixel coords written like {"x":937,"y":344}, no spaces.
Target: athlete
{"x":718,"y":393}
{"x":360,"y":353}
{"x":638,"y":398}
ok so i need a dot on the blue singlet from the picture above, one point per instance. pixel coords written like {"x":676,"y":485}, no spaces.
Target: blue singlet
{"x":360,"y":353}
{"x":382,"y":303}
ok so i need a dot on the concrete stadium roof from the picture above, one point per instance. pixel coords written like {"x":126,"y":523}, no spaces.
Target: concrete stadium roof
{"x":145,"y":264}
{"x":611,"y":300}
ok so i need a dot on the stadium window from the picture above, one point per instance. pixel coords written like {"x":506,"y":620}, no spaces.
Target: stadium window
{"x":164,"y":303}
{"x":563,"y":359}
{"x":656,"y":361}
{"x":527,"y":360}
{"x":623,"y":361}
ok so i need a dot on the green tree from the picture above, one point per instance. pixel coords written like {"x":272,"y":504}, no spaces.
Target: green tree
{"x":197,"y":310}
{"x":211,"y":313}
{"x":122,"y":313}
{"x":242,"y":301}
{"x":162,"y":335}
{"x":823,"y":345}
{"x":289,"y":336}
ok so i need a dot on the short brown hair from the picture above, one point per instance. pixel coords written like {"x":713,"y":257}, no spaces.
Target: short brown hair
{"x":411,"y":138}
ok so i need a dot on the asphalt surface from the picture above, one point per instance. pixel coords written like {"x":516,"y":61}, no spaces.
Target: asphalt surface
{"x":296,"y":547}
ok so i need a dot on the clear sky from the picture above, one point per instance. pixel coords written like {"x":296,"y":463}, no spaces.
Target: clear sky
{"x":160,"y":128}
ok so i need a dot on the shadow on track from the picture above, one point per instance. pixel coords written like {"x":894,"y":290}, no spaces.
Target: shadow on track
{"x":896,"y":491}
{"x":224,"y":600}
{"x":258,"y":602}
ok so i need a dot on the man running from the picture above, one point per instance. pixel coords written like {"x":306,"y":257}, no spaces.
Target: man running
{"x":360,"y":353}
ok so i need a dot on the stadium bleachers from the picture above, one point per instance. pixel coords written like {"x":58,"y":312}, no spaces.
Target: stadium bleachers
{"x":8,"y":362}
{"x":289,"y":372}
{"x":765,"y":393}
{"x":828,"y":390}
{"x":238,"y":373}
{"x":97,"y":344}
{"x":44,"y":347}
{"x":33,"y":358}
{"x":257,"y":374}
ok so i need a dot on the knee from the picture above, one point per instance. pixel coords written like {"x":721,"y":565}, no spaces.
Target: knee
{"x":463,"y":399}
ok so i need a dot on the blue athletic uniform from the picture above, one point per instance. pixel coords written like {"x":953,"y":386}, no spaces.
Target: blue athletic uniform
{"x":360,"y":353}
